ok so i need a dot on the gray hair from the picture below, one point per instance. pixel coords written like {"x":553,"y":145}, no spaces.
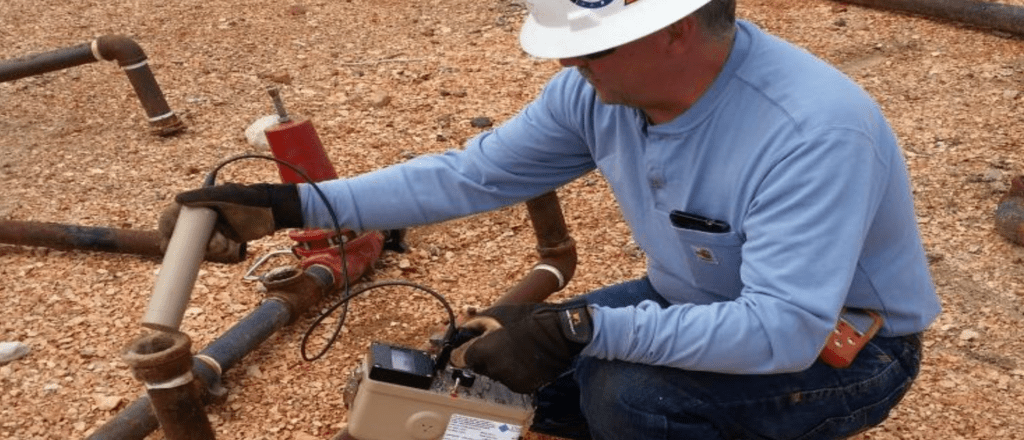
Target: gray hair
{"x":718,"y":17}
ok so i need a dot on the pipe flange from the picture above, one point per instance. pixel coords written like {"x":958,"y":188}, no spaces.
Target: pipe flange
{"x":159,"y":357}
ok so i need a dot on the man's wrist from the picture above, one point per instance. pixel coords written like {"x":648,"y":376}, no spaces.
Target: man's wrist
{"x":286,"y":205}
{"x":576,"y":324}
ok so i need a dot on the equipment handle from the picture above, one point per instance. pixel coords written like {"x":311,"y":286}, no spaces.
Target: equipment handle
{"x":180,"y":268}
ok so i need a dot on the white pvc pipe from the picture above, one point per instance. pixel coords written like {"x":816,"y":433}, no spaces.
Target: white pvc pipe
{"x":180,"y":268}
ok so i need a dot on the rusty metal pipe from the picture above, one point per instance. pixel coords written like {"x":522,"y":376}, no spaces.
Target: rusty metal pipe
{"x":89,"y":238}
{"x":139,"y":418}
{"x":1009,"y":215}
{"x":129,"y":56}
{"x":163,"y":361}
{"x":998,"y":16}
{"x":557,"y":251}
{"x":46,"y":62}
{"x":290,"y":292}
{"x":299,"y":289}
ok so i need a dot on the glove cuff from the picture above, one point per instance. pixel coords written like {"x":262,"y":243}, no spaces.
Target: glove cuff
{"x":285,"y":205}
{"x":576,"y":324}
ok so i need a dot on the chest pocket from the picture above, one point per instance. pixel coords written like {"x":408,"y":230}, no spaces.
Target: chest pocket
{"x":714,"y":260}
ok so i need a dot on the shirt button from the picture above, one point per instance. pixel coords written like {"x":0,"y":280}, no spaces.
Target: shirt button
{"x":656,"y":183}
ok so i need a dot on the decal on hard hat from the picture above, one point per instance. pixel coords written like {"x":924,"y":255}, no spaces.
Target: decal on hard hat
{"x":594,"y":3}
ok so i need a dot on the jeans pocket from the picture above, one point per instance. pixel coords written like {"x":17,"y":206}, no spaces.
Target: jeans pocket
{"x":859,"y":420}
{"x":884,"y":381}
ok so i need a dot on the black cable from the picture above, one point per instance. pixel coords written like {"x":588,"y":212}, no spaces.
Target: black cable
{"x":347,"y":295}
{"x":305,"y":337}
{"x":210,"y":180}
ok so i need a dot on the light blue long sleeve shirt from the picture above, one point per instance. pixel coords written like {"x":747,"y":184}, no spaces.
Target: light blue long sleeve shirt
{"x":795,"y":157}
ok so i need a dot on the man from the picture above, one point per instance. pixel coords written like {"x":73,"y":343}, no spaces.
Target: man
{"x":767,"y":190}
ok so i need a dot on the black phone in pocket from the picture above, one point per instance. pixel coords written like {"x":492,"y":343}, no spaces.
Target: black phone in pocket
{"x":685,"y":220}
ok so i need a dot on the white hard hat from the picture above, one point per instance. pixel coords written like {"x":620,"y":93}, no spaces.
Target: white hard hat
{"x":570,"y":28}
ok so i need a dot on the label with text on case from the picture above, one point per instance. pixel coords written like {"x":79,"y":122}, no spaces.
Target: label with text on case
{"x":462,"y":427}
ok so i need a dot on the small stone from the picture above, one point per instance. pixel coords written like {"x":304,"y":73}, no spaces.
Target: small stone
{"x":193,"y":311}
{"x":279,"y":77}
{"x":481,"y":122}
{"x":107,"y":403}
{"x":380,"y":100}
{"x":992,"y":175}
{"x":455,"y":93}
{"x":12,"y":350}
{"x":253,"y":371}
{"x":969,"y":335}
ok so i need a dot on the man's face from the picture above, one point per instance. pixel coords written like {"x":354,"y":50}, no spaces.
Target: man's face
{"x":625,"y":75}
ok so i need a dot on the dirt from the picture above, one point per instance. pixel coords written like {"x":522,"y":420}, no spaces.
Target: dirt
{"x":386,"y":80}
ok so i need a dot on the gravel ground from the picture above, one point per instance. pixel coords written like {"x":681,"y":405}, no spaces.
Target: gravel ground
{"x":386,"y":80}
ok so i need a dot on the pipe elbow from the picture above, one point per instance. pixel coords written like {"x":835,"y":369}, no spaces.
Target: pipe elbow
{"x":120,"y":48}
{"x":561,"y":257}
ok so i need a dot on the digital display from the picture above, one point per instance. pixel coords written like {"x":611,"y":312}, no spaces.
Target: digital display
{"x":402,"y":361}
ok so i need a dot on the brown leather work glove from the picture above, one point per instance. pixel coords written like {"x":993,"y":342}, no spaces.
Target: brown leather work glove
{"x":525,"y":346}
{"x":244,"y":212}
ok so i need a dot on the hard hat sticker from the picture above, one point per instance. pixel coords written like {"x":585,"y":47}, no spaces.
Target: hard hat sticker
{"x":593,"y":3}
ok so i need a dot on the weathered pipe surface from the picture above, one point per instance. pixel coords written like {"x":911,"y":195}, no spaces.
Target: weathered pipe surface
{"x":72,"y":237}
{"x":1009,"y":216}
{"x":998,"y":16}
{"x":88,"y":238}
{"x":557,"y":252}
{"x":163,"y":361}
{"x":118,"y":48}
{"x":139,"y":419}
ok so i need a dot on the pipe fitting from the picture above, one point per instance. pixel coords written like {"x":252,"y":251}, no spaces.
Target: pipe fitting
{"x":557,"y":251}
{"x":133,"y":61}
{"x":129,"y":57}
{"x":159,"y":357}
{"x":163,"y":362}
{"x":299,"y":290}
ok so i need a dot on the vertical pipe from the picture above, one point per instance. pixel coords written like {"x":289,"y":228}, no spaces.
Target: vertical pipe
{"x":139,"y":419}
{"x":557,"y":254}
{"x":163,"y":361}
{"x":133,"y":61}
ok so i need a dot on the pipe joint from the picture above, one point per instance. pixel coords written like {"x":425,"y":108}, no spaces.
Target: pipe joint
{"x":163,"y":361}
{"x":561,"y":256}
{"x":298,"y":290}
{"x":160,"y":357}
{"x":118,"y":48}
{"x":557,"y":251}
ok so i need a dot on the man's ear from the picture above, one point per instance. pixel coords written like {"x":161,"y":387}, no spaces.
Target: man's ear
{"x":684,"y":31}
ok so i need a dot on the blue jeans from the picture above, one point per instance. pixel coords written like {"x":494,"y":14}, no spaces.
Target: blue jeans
{"x":608,"y":400}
